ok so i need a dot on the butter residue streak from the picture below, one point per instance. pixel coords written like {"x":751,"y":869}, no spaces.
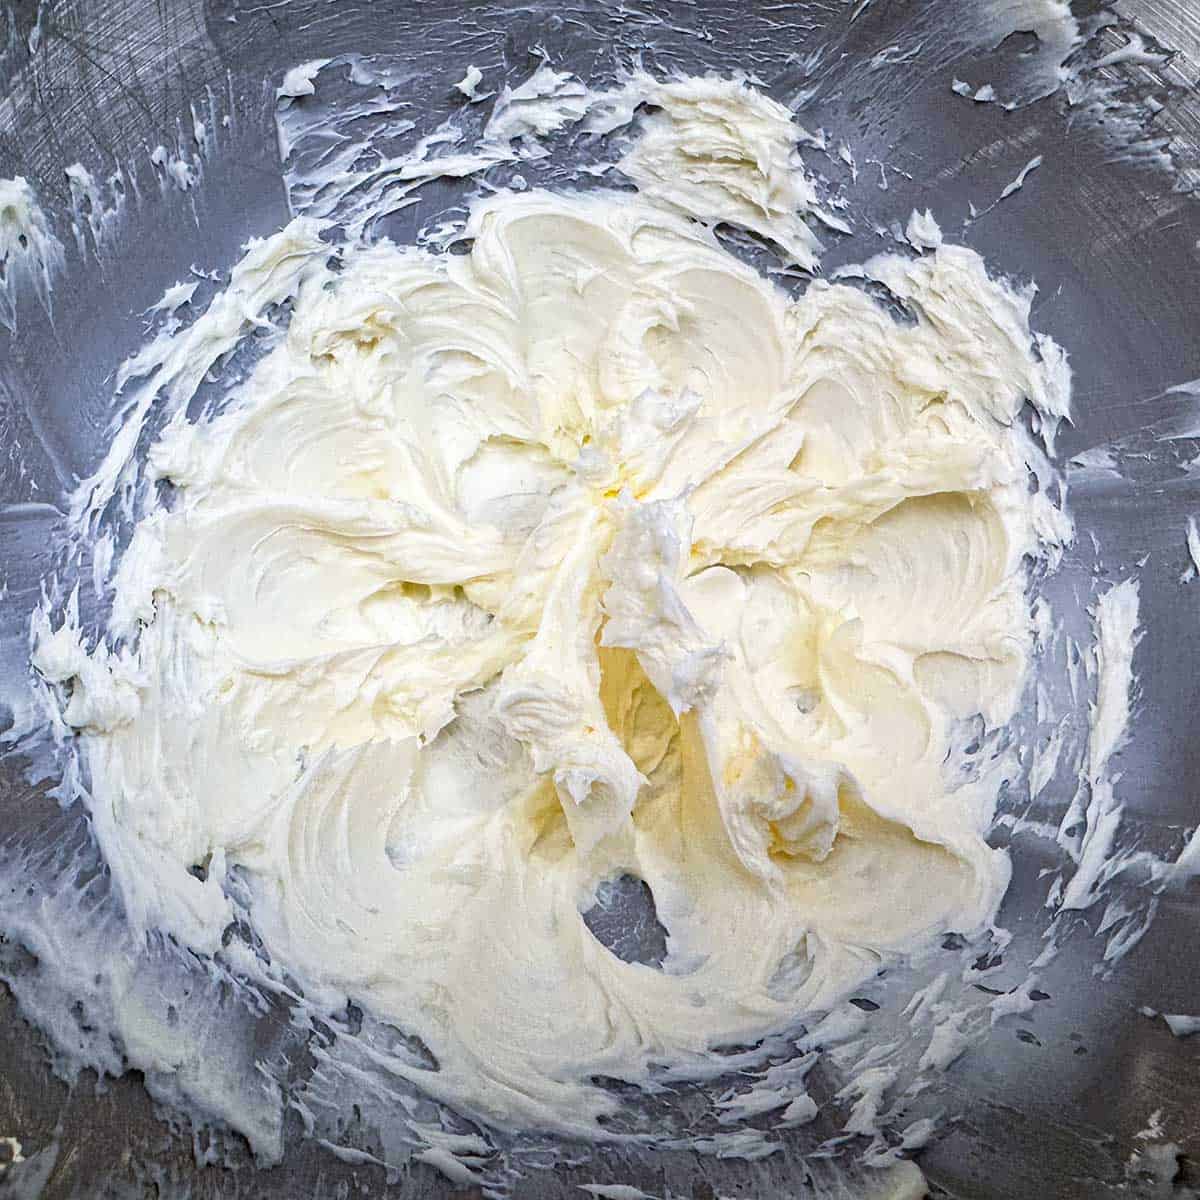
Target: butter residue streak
{"x":299,"y":80}
{"x":720,"y":151}
{"x":546,"y":102}
{"x":468,"y":85}
{"x":586,"y":553}
{"x":1116,"y":625}
{"x":922,"y":232}
{"x":30,"y":254}
{"x":1181,"y":1025}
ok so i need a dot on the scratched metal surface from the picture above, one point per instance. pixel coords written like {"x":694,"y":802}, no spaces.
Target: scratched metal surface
{"x":1113,"y":246}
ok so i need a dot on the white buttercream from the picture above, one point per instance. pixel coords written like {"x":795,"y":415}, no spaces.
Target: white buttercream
{"x":468,"y":85}
{"x":585,"y":553}
{"x":724,"y":153}
{"x":30,"y":254}
{"x":299,"y":80}
{"x":922,"y":232}
{"x":546,"y":102}
{"x":1116,"y":624}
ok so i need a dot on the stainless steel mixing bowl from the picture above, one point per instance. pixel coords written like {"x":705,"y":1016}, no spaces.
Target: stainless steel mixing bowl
{"x":1050,"y":1106}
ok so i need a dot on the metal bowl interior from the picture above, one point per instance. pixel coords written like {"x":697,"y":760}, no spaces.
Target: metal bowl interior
{"x":1106,"y":226}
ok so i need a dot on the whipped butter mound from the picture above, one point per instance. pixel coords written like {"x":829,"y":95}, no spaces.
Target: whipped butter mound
{"x":586,"y":553}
